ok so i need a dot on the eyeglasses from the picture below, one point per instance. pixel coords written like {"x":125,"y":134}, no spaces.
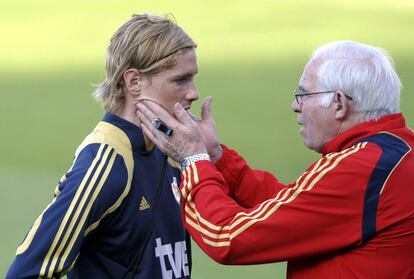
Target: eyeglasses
{"x":300,"y":93}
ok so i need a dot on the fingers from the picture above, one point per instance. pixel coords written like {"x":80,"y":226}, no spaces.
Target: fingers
{"x":142,"y":98}
{"x":152,"y":109}
{"x":148,"y":130}
{"x":206,"y":108}
{"x":147,"y":119}
{"x":145,"y":115}
{"x":195,"y":118}
{"x":157,"y":137}
{"x":182,"y":115}
{"x":148,"y":123}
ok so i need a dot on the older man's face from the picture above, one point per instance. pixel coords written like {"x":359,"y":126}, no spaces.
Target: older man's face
{"x":318,"y":123}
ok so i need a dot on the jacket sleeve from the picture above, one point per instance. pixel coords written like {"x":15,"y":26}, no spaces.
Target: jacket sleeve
{"x":246,"y":185}
{"x":319,"y":213}
{"x":93,"y":187}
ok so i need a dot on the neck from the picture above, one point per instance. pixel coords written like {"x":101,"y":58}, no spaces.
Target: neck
{"x":129,"y":113}
{"x":352,"y":121}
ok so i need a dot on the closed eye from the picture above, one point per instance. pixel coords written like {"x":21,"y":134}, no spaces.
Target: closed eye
{"x":183,"y":79}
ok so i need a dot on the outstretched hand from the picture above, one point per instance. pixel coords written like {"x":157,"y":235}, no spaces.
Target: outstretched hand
{"x":187,"y":138}
{"x":208,"y":127}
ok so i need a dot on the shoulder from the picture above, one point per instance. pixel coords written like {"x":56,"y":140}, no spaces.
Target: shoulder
{"x":105,"y":157}
{"x":97,"y":167}
{"x":101,"y":175}
{"x":351,"y":164}
{"x":380,"y":152}
{"x":389,"y":143}
{"x":108,"y":134}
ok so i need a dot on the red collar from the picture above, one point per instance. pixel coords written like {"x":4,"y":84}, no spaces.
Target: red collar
{"x":363,"y":130}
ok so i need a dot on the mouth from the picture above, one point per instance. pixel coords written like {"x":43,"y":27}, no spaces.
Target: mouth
{"x":302,"y":127}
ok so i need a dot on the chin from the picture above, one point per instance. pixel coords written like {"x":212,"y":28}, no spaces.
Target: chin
{"x":317,"y":149}
{"x":309,"y":145}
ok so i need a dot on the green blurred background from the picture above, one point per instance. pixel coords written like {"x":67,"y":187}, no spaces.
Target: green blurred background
{"x":251,"y":55}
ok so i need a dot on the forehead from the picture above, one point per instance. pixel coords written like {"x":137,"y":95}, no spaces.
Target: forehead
{"x":309,"y":79}
{"x":186,"y":64}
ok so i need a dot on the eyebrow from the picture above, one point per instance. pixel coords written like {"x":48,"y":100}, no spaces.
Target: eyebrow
{"x":301,"y":88}
{"x":185,"y":75}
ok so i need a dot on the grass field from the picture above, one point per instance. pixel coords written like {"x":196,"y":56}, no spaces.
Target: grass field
{"x":250,"y":59}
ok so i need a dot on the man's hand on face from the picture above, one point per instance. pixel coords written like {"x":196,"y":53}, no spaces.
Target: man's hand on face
{"x":187,"y":138}
{"x":208,"y":127}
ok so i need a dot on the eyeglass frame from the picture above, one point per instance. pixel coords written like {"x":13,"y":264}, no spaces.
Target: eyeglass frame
{"x":304,"y":93}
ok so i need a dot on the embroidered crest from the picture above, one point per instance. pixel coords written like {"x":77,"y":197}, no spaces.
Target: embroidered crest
{"x":176,"y":190}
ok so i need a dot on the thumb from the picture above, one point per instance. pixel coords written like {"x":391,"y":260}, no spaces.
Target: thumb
{"x":206,"y":108}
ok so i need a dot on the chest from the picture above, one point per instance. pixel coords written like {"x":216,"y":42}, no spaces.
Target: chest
{"x":153,"y":198}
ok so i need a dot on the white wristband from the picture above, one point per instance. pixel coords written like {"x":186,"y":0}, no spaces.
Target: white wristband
{"x":194,"y":158}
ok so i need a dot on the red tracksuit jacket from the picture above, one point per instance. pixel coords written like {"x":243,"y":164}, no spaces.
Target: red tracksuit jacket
{"x":350,"y":215}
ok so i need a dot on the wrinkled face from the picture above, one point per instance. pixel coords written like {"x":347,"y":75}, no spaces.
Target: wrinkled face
{"x":318,"y":123}
{"x":173,"y":85}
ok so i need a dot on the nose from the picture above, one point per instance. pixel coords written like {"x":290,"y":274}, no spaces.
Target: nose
{"x":296,"y":107}
{"x":193,"y":94}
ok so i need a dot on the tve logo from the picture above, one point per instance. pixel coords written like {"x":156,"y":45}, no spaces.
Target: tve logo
{"x":178,"y":260}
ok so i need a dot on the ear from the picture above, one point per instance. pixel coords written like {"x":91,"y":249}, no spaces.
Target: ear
{"x":342,"y":106}
{"x":132,"y":80}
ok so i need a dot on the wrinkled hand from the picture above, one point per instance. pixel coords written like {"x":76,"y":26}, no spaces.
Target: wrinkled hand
{"x":187,"y":138}
{"x":208,"y":127}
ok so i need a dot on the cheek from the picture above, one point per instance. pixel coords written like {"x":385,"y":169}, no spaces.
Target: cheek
{"x":152,"y":93}
{"x":313,"y":126}
{"x":161,"y":94}
{"x":169,"y":99}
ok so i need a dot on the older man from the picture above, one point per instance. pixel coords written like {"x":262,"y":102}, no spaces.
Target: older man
{"x":116,"y":212}
{"x":349,"y":215}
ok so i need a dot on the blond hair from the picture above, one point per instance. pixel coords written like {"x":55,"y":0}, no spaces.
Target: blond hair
{"x":147,"y":43}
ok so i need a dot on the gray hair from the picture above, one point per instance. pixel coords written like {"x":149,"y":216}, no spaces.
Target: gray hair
{"x":363,"y":72}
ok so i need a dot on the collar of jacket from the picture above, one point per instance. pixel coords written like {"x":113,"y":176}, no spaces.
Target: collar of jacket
{"x":349,"y":137}
{"x":139,"y":142}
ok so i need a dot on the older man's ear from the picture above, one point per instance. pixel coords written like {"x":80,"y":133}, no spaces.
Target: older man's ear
{"x":343,"y":106}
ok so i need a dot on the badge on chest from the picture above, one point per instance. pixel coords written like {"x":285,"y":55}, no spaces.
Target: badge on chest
{"x":176,"y":190}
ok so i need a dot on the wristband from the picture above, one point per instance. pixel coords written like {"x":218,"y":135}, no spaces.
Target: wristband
{"x":194,"y":158}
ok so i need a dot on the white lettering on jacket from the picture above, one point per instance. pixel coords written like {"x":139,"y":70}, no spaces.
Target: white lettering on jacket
{"x":178,"y":259}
